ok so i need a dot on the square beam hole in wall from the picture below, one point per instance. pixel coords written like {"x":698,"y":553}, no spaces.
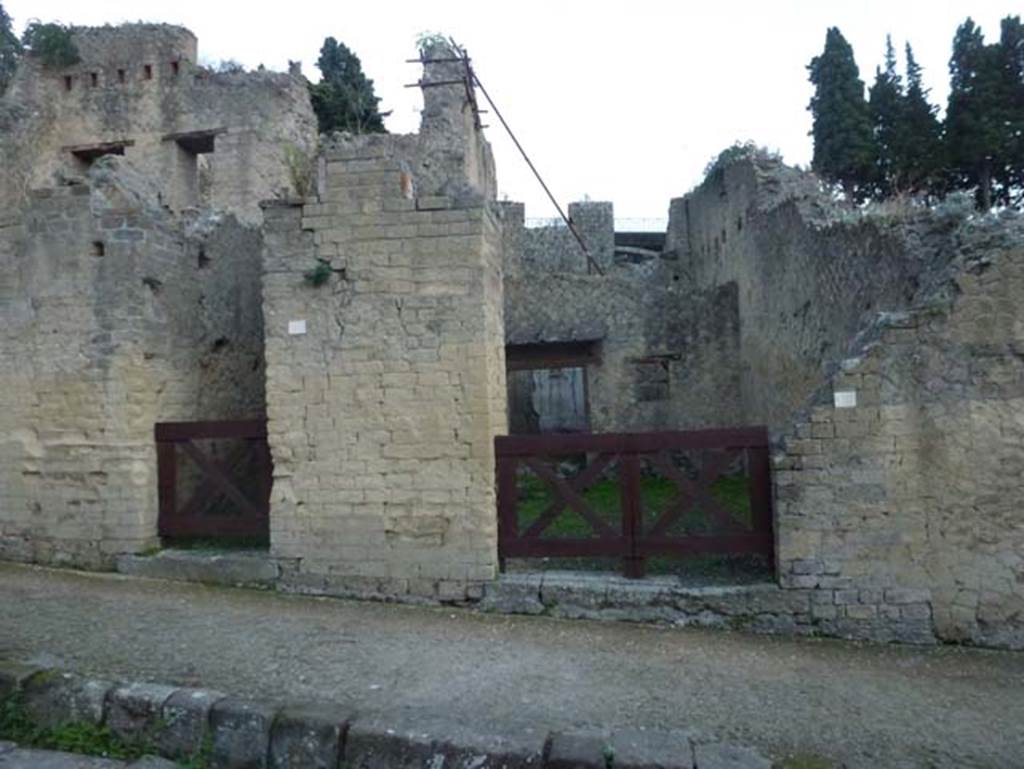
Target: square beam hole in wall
{"x":122,"y":76}
{"x":98,"y":248}
{"x":652,"y":378}
{"x":175,"y":68}
{"x":147,"y":72}
{"x":69,"y":81}
{"x":94,"y":79}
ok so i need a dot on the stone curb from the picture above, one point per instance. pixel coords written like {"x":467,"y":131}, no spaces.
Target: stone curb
{"x":256,"y":734}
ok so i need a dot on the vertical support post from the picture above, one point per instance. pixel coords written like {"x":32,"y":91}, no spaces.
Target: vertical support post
{"x":761,"y":500}
{"x":167,"y":485}
{"x":629,"y":477}
{"x":265,"y":472}
{"x":508,"y":525}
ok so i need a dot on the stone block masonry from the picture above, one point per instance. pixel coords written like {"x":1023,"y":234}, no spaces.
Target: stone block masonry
{"x":898,"y":492}
{"x":111,"y":323}
{"x":385,"y":386}
{"x":224,"y":139}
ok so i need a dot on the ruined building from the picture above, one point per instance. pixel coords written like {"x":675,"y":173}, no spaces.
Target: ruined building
{"x":159,"y":228}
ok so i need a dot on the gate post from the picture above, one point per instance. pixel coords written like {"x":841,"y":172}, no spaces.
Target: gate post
{"x":629,"y":474}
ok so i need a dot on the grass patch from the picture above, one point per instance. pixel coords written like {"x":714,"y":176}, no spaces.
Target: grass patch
{"x":72,"y":737}
{"x":80,"y":737}
{"x":604,"y":498}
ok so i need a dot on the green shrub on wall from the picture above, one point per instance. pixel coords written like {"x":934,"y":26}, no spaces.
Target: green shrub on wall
{"x":52,"y":42}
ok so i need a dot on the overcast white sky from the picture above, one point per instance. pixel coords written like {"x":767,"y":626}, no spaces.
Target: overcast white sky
{"x":621,"y":101}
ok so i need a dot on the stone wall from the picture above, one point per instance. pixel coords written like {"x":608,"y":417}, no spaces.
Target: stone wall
{"x":553,"y":247}
{"x":139,"y":89}
{"x":809,"y":272}
{"x":903,"y":512}
{"x":668,"y":353}
{"x":113,"y":316}
{"x":386,"y":385}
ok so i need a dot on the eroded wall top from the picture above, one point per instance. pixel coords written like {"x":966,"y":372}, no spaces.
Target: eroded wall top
{"x":224,"y":139}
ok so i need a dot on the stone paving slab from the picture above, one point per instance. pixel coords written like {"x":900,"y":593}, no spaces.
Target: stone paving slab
{"x":859,"y":705}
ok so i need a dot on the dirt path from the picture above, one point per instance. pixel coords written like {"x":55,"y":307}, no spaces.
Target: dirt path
{"x":868,"y":706}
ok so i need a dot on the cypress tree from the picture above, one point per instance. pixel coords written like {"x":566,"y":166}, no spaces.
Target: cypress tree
{"x":344,"y":99}
{"x":977,"y":139}
{"x":1010,"y":174}
{"x":885,"y":101}
{"x":920,"y":150}
{"x":10,"y":50}
{"x":843,"y":140}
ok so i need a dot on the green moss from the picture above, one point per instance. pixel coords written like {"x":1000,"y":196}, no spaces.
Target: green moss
{"x":43,"y":676}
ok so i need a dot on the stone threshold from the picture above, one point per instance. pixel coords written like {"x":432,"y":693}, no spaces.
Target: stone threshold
{"x":762,"y":607}
{"x":248,"y":568}
{"x":177,"y":723}
{"x":759,"y":607}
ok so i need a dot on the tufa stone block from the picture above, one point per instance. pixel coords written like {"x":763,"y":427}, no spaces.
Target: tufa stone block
{"x":241,"y":733}
{"x":184,"y":721}
{"x":13,"y":676}
{"x":308,"y":736}
{"x":52,"y":698}
{"x":133,"y":711}
{"x":642,"y":749}
{"x":718,"y":755}
{"x":576,"y":751}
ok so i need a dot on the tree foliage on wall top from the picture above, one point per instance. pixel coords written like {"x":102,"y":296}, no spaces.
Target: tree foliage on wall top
{"x":893,"y":142}
{"x":52,"y":42}
{"x":10,"y":50}
{"x":344,"y":99}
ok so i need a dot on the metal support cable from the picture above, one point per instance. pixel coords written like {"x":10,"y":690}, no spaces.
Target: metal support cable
{"x":569,"y":222}
{"x":471,"y":81}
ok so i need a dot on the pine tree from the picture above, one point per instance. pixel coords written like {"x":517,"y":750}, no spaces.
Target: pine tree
{"x":978,"y":141}
{"x":843,"y":140}
{"x":919,"y":141}
{"x":10,"y":50}
{"x":344,"y":100}
{"x":885,"y":101}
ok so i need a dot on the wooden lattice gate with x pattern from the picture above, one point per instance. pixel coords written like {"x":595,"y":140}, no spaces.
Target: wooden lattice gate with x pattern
{"x":634,"y":495}
{"x":225,"y":484}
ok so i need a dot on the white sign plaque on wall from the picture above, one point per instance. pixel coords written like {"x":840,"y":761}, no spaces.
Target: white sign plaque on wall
{"x":845,"y":399}
{"x":296,"y":327}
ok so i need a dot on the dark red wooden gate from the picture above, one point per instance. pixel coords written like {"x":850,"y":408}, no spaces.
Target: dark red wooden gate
{"x":690,"y":465}
{"x":229,"y":494}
